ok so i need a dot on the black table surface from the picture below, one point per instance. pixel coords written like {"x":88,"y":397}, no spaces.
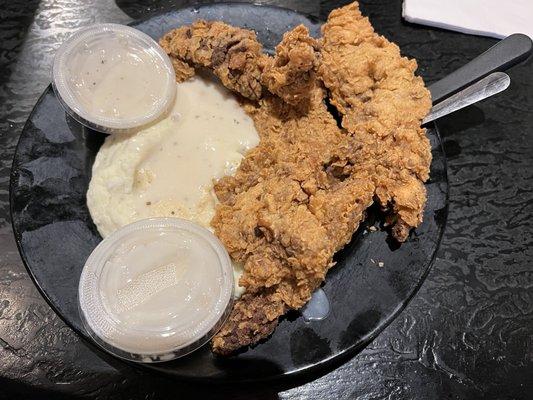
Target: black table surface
{"x":467,"y":334}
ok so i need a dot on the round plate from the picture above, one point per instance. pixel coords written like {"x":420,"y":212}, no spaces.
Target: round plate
{"x":55,"y":234}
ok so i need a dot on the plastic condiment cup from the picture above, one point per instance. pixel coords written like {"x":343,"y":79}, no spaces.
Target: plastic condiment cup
{"x":156,"y":290}
{"x":113,"y":78}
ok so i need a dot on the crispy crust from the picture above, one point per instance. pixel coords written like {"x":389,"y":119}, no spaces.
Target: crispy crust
{"x":382,"y":103}
{"x":290,"y":75}
{"x":294,"y":201}
{"x":236,"y":57}
{"x":253,"y":318}
{"x":298,"y":197}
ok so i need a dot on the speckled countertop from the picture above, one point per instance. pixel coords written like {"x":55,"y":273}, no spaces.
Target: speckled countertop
{"x":467,"y":334}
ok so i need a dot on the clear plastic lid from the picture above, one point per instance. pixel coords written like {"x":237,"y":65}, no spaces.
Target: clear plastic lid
{"x":113,"y":78}
{"x":156,"y":290}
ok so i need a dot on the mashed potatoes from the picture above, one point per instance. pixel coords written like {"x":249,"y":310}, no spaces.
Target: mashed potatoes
{"x":167,"y":169}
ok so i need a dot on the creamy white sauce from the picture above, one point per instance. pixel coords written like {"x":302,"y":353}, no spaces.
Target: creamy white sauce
{"x":156,"y":286}
{"x":168,"y":169}
{"x":116,"y":77}
{"x":163,"y":283}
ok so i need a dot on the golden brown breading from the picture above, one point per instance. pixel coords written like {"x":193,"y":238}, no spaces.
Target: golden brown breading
{"x":382,"y":103}
{"x":294,"y":201}
{"x":290,"y":75}
{"x":236,"y":57}
{"x":234,"y":54}
{"x":253,"y":317}
{"x":182,"y":70}
{"x":298,"y":196}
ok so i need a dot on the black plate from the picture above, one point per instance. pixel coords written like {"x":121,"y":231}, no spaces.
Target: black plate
{"x":55,"y":234}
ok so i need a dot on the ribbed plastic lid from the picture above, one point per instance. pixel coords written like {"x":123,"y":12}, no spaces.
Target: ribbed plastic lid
{"x":113,"y":78}
{"x":156,"y":290}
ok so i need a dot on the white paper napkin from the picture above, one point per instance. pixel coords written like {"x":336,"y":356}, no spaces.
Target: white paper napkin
{"x":495,"y":18}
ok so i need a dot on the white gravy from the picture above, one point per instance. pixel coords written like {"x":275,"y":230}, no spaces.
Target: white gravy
{"x":116,"y":78}
{"x":168,"y":169}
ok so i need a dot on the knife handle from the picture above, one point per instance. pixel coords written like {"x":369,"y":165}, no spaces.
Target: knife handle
{"x":503,"y":55}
